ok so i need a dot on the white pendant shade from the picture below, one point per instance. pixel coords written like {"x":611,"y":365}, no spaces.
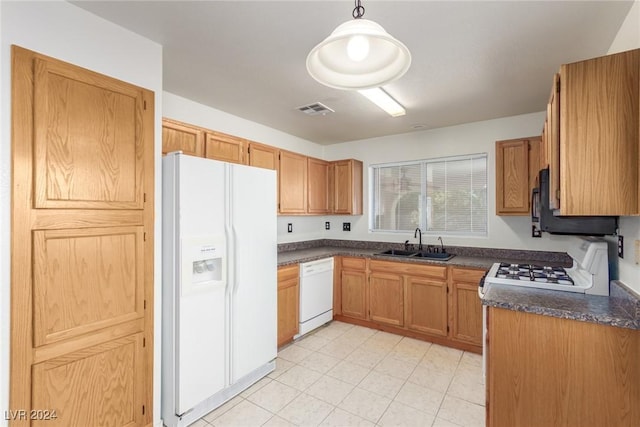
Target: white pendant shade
{"x":358,"y":54}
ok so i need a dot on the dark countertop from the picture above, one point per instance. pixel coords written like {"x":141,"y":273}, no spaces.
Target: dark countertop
{"x":620,"y":309}
{"x":312,"y":254}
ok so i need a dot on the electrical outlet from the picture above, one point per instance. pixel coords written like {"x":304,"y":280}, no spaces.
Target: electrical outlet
{"x":327,"y":225}
{"x":346,"y":226}
{"x":535,"y":231}
{"x":289,"y":228}
{"x":620,"y":246}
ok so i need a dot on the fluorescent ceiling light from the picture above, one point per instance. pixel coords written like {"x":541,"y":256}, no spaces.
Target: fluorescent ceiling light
{"x":384,"y":101}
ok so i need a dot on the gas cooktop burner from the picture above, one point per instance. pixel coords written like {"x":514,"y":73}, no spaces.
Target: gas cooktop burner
{"x":534,"y":273}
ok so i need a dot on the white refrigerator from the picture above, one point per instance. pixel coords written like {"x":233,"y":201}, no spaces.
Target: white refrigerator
{"x":219,"y":283}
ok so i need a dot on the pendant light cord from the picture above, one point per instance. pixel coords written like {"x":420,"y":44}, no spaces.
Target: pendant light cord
{"x":358,"y":11}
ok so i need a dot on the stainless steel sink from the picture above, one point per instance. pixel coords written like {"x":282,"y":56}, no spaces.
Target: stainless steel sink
{"x":398,"y":252}
{"x":440,"y":256}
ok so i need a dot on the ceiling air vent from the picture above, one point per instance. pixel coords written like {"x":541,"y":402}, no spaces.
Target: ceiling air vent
{"x":315,"y":109}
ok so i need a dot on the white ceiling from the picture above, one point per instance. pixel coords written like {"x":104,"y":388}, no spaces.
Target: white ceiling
{"x":472,"y":60}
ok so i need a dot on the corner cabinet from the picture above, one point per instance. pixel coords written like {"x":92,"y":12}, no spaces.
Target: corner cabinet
{"x":347,"y":187}
{"x":548,"y":371}
{"x":288,"y":303}
{"x":518,"y":162}
{"x":594,"y":138}
{"x":317,"y":186}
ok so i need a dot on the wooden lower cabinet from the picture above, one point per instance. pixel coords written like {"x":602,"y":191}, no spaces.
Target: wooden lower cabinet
{"x":548,"y":371}
{"x":466,"y":307}
{"x":386,"y":298}
{"x":288,"y":303}
{"x":427,"y":305}
{"x":436,"y":303}
{"x":353,"y":287}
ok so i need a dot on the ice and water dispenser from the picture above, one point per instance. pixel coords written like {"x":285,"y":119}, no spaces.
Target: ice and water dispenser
{"x":203,"y":264}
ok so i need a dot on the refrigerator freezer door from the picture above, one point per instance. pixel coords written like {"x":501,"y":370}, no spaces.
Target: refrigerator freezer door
{"x":254,"y":293}
{"x":201,"y":313}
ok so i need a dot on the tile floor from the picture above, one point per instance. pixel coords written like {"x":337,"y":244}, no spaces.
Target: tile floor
{"x":346,"y":375}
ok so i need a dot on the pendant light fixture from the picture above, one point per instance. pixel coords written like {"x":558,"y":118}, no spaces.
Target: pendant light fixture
{"x":358,"y":54}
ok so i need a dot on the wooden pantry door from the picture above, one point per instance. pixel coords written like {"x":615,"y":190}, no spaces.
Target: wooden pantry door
{"x":81,"y":247}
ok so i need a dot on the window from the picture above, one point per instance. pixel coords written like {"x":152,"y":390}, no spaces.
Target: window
{"x":441,"y":196}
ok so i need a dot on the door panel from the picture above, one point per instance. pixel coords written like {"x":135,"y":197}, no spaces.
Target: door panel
{"x":101,"y":385}
{"x":86,"y":279}
{"x":88,"y":151}
{"x":386,"y":301}
{"x":427,"y":305}
{"x":82,"y":245}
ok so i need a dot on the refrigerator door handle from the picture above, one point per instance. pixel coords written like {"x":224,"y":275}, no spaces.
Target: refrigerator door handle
{"x":234,"y":257}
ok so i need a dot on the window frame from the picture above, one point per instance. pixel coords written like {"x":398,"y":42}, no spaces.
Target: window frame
{"x":424,"y":196}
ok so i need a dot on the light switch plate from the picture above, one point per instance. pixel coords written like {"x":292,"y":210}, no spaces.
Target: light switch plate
{"x":289,"y":228}
{"x":637,"y":252}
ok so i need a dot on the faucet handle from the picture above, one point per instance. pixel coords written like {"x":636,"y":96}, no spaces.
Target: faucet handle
{"x":406,"y":245}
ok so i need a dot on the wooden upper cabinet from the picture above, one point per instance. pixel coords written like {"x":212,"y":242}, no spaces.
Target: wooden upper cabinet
{"x":227,"y":148}
{"x":347,"y":187}
{"x":86,"y":125}
{"x":599,"y":136}
{"x":517,"y":166}
{"x":317,"y":186}
{"x":552,"y":145}
{"x":292,"y":179}
{"x":262,"y":156}
{"x":177,"y":136}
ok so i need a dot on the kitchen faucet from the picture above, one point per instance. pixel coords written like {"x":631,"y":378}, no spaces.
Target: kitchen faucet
{"x":417,"y":233}
{"x":441,"y":244}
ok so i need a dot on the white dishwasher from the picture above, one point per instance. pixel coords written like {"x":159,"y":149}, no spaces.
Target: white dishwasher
{"x":316,"y":294}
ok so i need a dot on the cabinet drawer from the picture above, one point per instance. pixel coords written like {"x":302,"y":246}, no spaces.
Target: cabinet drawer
{"x":411,"y":268}
{"x":466,"y":275}
{"x":288,"y":272}
{"x":354,"y":263}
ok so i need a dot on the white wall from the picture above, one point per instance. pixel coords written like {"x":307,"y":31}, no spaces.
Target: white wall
{"x":185,"y":110}
{"x":63,"y":31}
{"x":629,"y":272}
{"x":479,"y":137}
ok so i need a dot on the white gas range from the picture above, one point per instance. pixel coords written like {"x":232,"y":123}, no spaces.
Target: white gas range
{"x":589,"y":273}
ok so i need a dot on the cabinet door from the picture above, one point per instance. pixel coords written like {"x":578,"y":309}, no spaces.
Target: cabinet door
{"x":466,"y":307}
{"x":512,"y":177}
{"x":354,"y":293}
{"x":553,"y":118}
{"x":263,"y":156}
{"x":317,"y":186}
{"x":386,"y":298}
{"x":293,"y":183}
{"x":599,"y":149}
{"x":427,"y":305}
{"x":288,"y":303}
{"x":547,"y":371}
{"x":347,"y":191}
{"x":82,"y":272}
{"x":180,"y":137}
{"x":227,"y":148}
{"x":517,"y":165}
